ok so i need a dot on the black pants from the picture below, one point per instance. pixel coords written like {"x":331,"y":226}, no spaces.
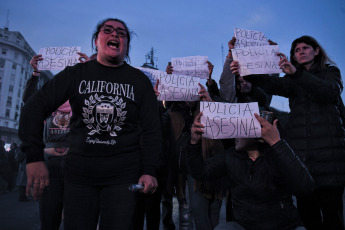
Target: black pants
{"x":112,"y":205}
{"x":148,"y":206}
{"x":323,"y":209}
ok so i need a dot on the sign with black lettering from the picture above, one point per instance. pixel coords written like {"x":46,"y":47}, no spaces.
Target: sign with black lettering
{"x":57,"y":58}
{"x":257,"y":60}
{"x":230,"y":120}
{"x":174,"y":87}
{"x":194,"y":66}
{"x":246,"y":38}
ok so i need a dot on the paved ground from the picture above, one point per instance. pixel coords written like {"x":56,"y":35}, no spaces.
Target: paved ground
{"x":15,"y":215}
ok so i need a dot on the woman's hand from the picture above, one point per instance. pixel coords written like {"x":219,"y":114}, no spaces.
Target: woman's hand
{"x":285,"y":65}
{"x":197,"y":130}
{"x":210,"y":70}
{"x":155,"y":88}
{"x":231,"y":45}
{"x":272,"y":43}
{"x":235,"y":67}
{"x":203,"y":94}
{"x":269,"y":132}
{"x":34,"y":60}
{"x":150,"y":183}
{"x":169,"y":69}
{"x":83,"y":57}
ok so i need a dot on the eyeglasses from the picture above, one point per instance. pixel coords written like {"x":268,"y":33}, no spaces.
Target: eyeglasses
{"x":107,"y":29}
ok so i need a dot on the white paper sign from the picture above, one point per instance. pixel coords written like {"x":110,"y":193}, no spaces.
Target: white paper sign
{"x":57,"y":58}
{"x":194,"y":66}
{"x":174,"y":87}
{"x":257,"y":60}
{"x":152,"y":74}
{"x":230,"y":120}
{"x":246,"y":38}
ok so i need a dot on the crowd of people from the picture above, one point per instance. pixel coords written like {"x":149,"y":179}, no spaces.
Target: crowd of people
{"x":85,"y":145}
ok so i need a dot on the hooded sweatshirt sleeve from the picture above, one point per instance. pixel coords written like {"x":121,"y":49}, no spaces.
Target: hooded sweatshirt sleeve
{"x":47,"y":99}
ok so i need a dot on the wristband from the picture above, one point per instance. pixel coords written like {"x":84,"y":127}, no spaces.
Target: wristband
{"x":36,"y":71}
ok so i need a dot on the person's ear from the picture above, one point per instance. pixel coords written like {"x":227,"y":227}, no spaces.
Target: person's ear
{"x":317,"y":51}
{"x":96,"y":42}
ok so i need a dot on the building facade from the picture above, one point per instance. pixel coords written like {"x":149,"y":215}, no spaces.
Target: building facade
{"x":15,"y":69}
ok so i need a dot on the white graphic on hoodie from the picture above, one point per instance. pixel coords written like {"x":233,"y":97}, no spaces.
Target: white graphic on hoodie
{"x":104,"y":114}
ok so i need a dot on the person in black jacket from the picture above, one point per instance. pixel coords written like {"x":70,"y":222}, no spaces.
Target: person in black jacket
{"x":314,"y":129}
{"x":262,"y":178}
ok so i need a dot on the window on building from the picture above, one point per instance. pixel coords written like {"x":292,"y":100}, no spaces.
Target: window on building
{"x":19,"y":92}
{"x":6,"y":123}
{"x":9,"y":102}
{"x":11,"y":88}
{"x":14,"y":66}
{"x":13,"y":76}
{"x":7,"y":114}
{"x":6,"y":37}
{"x":2,"y":63}
{"x":22,"y":71}
{"x":16,"y":55}
{"x":17,"y":42}
{"x":4,"y":51}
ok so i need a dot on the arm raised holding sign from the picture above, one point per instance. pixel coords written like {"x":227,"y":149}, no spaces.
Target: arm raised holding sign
{"x":272,"y":167}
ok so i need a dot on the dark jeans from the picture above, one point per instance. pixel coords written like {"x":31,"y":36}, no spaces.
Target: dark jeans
{"x":204,"y":211}
{"x":148,"y":206}
{"x":51,"y":202}
{"x":113,"y":205}
{"x":323,"y":209}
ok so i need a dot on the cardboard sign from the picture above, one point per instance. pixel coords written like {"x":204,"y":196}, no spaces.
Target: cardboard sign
{"x":194,"y":66}
{"x":230,"y":120}
{"x":257,"y":60}
{"x":174,"y":87}
{"x":247,"y":38}
{"x":57,"y":58}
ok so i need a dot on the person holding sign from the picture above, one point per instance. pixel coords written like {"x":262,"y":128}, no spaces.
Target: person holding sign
{"x":115,"y":139}
{"x":262,"y":177}
{"x":202,"y":198}
{"x":234,"y":89}
{"x":315,"y":129}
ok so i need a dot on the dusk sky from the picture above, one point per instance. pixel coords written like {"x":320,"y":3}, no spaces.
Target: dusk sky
{"x":180,"y":28}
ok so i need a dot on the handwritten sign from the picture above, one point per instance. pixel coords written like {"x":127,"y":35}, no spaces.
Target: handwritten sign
{"x":194,"y":66}
{"x":57,"y":58}
{"x":152,"y":74}
{"x":257,"y":60}
{"x":174,"y":87}
{"x":230,"y":120}
{"x":246,"y":38}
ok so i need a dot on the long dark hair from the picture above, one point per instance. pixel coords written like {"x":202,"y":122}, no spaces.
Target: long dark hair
{"x":99,"y":27}
{"x":320,"y":61}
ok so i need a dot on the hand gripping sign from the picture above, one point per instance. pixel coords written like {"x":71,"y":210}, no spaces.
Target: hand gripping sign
{"x":57,"y":58}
